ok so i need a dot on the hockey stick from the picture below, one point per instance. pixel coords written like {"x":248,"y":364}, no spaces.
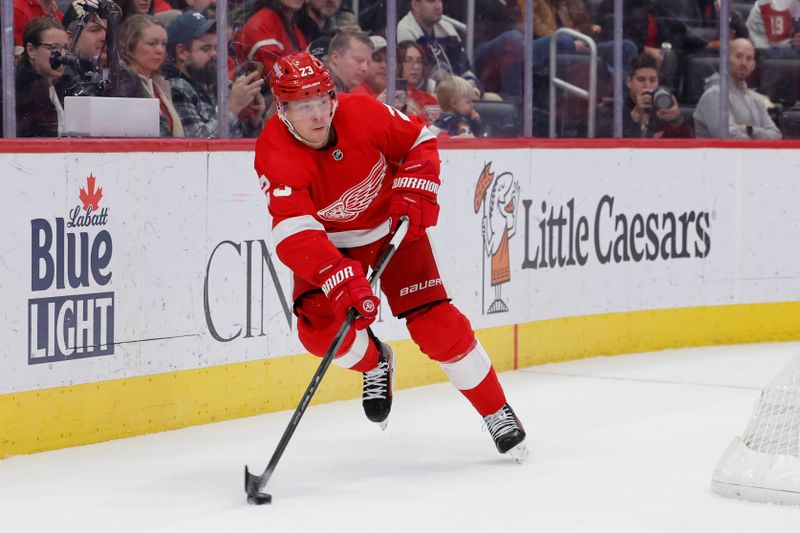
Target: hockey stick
{"x":253,"y":484}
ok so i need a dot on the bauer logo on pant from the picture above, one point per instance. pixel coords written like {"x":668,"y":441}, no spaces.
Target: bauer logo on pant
{"x":499,"y":198}
{"x":69,"y":257}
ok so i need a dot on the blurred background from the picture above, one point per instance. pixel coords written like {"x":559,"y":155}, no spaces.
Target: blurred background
{"x":467,"y":68}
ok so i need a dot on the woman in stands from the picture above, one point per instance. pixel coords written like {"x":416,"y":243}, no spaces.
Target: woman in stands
{"x":270,"y":33}
{"x":411,"y":67}
{"x":143,"y":46}
{"x":135,"y":7}
{"x":39,"y":111}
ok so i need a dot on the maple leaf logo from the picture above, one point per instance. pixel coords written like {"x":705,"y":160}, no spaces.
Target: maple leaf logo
{"x":89,"y":196}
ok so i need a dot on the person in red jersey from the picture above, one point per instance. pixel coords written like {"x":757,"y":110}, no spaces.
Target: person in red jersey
{"x":271,"y":32}
{"x":339,"y":171}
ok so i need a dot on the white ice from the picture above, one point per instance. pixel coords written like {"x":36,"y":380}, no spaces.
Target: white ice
{"x":619,"y":444}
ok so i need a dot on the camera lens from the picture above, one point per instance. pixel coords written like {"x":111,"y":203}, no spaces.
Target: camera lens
{"x":662,"y":98}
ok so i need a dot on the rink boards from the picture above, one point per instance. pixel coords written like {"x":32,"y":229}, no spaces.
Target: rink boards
{"x":140,"y":292}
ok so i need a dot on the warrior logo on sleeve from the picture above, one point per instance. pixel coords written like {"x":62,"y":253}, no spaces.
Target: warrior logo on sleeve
{"x":357,"y":198}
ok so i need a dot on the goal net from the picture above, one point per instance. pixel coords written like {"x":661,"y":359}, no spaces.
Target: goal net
{"x":764,"y":463}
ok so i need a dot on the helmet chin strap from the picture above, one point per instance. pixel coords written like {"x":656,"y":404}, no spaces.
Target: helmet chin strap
{"x":280,"y":106}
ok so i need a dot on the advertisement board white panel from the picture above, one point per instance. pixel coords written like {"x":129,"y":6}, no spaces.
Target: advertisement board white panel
{"x":120,"y":265}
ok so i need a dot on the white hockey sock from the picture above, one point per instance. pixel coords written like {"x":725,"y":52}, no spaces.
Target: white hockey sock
{"x":468,"y":370}
{"x":357,"y":351}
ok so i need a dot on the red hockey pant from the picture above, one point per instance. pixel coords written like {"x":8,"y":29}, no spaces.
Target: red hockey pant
{"x":414,"y":290}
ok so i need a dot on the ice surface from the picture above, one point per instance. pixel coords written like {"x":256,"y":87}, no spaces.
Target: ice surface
{"x":621,"y":444}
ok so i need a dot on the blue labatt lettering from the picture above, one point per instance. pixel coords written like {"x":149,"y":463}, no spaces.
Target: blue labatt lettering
{"x":72,"y":253}
{"x":337,"y":278}
{"x":76,"y":220}
{"x":74,"y":258}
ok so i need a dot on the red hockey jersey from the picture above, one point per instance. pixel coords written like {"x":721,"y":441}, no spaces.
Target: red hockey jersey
{"x":264,"y":38}
{"x":338,"y":197}
{"x":777,"y":20}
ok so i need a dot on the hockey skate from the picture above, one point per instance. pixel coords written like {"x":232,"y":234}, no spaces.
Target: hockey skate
{"x":378,"y":384}
{"x":507,"y":432}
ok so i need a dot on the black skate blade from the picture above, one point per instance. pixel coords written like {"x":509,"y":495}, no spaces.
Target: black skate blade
{"x":252,"y":488}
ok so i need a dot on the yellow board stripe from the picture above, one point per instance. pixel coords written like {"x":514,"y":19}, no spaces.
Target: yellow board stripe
{"x":82,"y":414}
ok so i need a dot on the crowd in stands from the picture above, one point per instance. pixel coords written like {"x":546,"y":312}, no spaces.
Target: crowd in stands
{"x":167,"y":50}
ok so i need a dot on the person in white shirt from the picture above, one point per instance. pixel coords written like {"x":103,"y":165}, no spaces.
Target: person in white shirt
{"x":748,"y":118}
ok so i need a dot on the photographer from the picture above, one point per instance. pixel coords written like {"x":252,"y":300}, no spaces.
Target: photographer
{"x":651,"y":111}
{"x":82,"y":75}
{"x":39,"y":111}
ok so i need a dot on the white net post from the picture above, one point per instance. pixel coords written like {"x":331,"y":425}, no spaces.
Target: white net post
{"x":764,"y":464}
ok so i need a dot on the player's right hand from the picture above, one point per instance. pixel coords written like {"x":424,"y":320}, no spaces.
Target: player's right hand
{"x":344,"y":283}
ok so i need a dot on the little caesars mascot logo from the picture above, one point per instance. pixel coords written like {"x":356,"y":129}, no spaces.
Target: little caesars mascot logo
{"x":499,"y":198}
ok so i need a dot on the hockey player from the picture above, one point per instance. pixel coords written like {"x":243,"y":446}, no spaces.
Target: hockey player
{"x":339,"y":171}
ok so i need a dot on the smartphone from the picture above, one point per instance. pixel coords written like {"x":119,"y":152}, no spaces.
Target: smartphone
{"x":254,"y":66}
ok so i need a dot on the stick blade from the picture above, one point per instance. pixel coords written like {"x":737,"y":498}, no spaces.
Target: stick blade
{"x":252,"y":485}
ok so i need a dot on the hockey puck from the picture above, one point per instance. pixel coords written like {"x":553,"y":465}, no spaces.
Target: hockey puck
{"x":259,"y":498}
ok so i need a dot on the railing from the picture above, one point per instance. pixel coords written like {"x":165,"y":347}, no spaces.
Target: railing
{"x":558,"y":83}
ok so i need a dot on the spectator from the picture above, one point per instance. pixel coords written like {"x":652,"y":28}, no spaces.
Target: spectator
{"x":39,"y":111}
{"x":411,"y":67}
{"x":188,"y":5}
{"x":459,"y":117}
{"x":321,"y":17}
{"x":348,"y":57}
{"x":92,"y":40}
{"x":438,"y":38}
{"x":748,"y":117}
{"x":319,"y":47}
{"x":710,"y":11}
{"x":574,"y":14}
{"x":143,"y":45}
{"x":499,"y":62}
{"x":135,"y":7}
{"x":640,"y":117}
{"x":650,"y":26}
{"x":374,"y":83}
{"x":90,"y":50}
{"x":495,"y":17}
{"x":168,"y":10}
{"x":27,"y":10}
{"x":772,"y":29}
{"x":372,"y":14}
{"x":270,"y":33}
{"x":191,"y":70}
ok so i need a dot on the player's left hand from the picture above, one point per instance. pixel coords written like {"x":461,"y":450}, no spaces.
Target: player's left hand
{"x":414,"y":192}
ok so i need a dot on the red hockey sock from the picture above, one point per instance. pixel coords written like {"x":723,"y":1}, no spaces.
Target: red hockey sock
{"x":488,"y":397}
{"x":369,"y":361}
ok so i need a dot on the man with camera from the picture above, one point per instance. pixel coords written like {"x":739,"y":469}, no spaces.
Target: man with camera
{"x":651,"y":111}
{"x":85,"y":60}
